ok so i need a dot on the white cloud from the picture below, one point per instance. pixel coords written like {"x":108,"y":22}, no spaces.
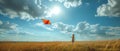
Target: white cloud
{"x":25,"y":9}
{"x":69,"y":3}
{"x":63,"y":27}
{"x":14,"y":26}
{"x":72,"y":3}
{"x":31,"y":9}
{"x":84,"y":29}
{"x":8,"y":29}
{"x":1,"y":22}
{"x":38,"y":2}
{"x":7,"y":26}
{"x":115,"y":31}
{"x":44,"y":26}
{"x":112,"y":8}
{"x":25,"y":16}
{"x":11,"y":13}
{"x":82,"y":26}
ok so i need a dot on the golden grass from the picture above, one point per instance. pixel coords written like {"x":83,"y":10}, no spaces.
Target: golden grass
{"x":61,"y":46}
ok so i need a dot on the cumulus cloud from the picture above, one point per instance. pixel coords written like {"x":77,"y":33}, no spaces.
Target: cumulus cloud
{"x":63,"y":27}
{"x":44,"y":26}
{"x":83,"y":28}
{"x":86,"y":29}
{"x":1,"y":22}
{"x":112,"y":8}
{"x":96,"y":29}
{"x":72,"y":3}
{"x":69,"y":3}
{"x":25,"y":9}
{"x":114,"y":31}
{"x":8,"y":26}
{"x":80,"y":28}
{"x":10,"y":30}
{"x":31,"y":9}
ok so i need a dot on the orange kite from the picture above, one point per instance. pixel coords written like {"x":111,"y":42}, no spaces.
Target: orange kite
{"x":45,"y":21}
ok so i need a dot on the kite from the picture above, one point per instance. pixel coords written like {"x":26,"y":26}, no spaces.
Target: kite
{"x":45,"y":21}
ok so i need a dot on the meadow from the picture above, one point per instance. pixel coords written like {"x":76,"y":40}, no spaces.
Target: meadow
{"x":111,"y":45}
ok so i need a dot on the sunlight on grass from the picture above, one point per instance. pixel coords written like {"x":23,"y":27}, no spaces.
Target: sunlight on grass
{"x":61,"y":46}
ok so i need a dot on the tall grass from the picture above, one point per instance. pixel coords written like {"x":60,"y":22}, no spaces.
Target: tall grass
{"x":61,"y":46}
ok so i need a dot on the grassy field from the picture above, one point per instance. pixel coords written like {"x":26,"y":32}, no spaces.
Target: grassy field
{"x":61,"y":46}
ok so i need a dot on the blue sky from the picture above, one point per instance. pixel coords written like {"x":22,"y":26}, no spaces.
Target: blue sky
{"x":87,"y":19}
